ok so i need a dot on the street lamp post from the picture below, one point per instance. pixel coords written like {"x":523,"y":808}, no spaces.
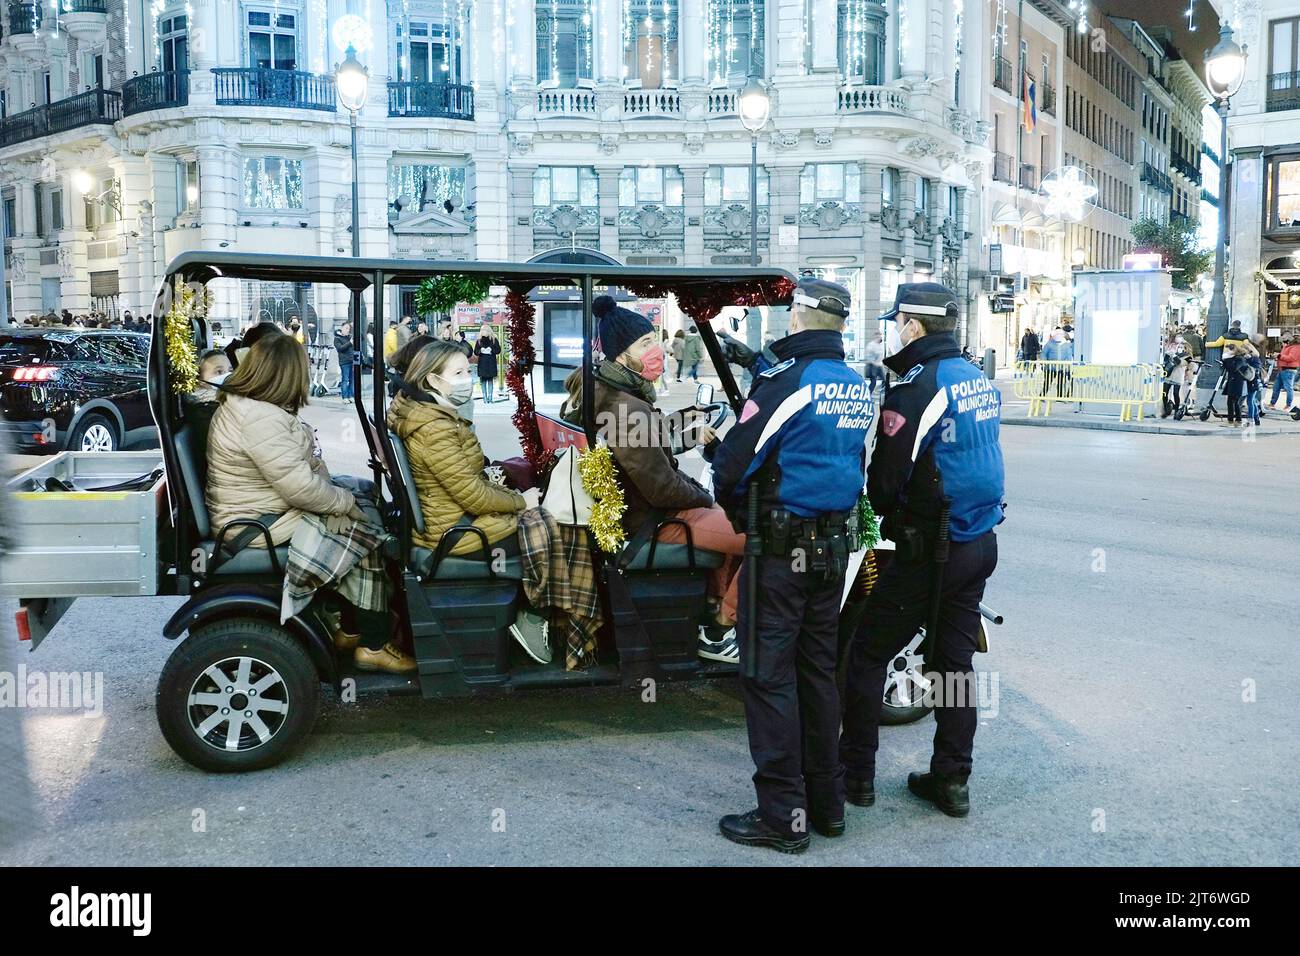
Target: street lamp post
{"x":755,"y":106}
{"x":1225,"y":68}
{"x":352,"y":80}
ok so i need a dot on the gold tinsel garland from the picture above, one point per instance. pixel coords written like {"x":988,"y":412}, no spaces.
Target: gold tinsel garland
{"x":596,"y":467}
{"x":182,"y":356}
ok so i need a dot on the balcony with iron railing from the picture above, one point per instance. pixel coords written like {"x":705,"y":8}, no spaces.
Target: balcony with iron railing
{"x":84,"y":6}
{"x":161,"y":90}
{"x":1156,"y":178}
{"x":1002,"y":73}
{"x":25,"y":17}
{"x":1283,"y":92}
{"x":1178,"y":218}
{"x":259,"y":86}
{"x":1003,"y":165}
{"x":426,"y":100}
{"x":1049,"y":99}
{"x":84,"y":109}
{"x":1209,"y":197}
{"x":1187,"y":169}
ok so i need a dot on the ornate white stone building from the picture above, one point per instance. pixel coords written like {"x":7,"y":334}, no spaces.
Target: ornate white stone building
{"x":1264,"y":167}
{"x":492,"y":130}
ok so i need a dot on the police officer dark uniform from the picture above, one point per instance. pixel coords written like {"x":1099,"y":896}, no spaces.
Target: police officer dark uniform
{"x":801,"y":437}
{"x":937,"y":439}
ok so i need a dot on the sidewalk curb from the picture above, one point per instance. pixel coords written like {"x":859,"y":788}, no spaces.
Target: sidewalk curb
{"x":1143,"y":428}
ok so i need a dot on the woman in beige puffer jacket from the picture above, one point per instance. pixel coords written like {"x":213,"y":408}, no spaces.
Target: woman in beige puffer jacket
{"x":262,"y":461}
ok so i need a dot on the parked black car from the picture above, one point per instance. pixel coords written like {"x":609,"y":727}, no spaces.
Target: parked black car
{"x":74,"y":389}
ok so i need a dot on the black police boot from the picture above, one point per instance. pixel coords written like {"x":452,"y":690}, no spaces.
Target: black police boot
{"x":860,"y":793}
{"x":750,"y":830}
{"x":949,"y":794}
{"x":827,"y":827}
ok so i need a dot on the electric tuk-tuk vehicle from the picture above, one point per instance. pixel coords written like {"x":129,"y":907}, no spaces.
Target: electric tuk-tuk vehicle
{"x":242,"y":690}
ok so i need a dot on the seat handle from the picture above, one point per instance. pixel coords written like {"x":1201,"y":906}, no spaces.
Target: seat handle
{"x":251,"y":524}
{"x":450,"y":536}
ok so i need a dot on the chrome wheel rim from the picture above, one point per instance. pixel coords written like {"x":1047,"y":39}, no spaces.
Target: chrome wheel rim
{"x":97,"y":438}
{"x":238,"y":704}
{"x":905,"y":681}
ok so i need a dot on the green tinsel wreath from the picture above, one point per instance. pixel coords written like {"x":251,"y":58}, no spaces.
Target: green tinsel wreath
{"x":868,"y":524}
{"x":443,"y":293}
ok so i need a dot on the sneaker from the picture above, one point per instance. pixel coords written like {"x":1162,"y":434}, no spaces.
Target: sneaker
{"x":533,"y":632}
{"x":719,"y":643}
{"x":387,"y":658}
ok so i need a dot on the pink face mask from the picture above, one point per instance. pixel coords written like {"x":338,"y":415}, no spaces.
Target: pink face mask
{"x":652,"y":363}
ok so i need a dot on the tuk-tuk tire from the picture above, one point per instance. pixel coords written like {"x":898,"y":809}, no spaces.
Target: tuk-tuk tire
{"x":212,"y":642}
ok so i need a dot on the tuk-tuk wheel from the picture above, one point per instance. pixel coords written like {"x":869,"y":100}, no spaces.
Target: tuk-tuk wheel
{"x":239,"y":694}
{"x":905,"y":686}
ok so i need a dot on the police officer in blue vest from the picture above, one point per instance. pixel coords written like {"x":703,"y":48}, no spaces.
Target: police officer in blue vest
{"x":936,"y":481}
{"x":800,"y":442}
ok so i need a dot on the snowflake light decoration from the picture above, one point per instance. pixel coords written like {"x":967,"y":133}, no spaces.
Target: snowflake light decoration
{"x":351,"y":30}
{"x":1069,"y":194}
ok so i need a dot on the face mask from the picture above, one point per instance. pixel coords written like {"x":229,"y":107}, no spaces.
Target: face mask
{"x":218,"y":379}
{"x":652,"y":363}
{"x":892,"y":341}
{"x":461,"y":391}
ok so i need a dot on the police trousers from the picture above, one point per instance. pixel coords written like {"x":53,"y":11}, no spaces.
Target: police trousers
{"x":792,"y":706}
{"x":899,"y":606}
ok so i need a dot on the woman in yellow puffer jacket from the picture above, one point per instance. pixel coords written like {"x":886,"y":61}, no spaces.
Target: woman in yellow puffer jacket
{"x":447,"y":465}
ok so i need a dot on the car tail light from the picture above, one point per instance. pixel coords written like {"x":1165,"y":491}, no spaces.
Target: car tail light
{"x":35,"y":373}
{"x":24,"y":627}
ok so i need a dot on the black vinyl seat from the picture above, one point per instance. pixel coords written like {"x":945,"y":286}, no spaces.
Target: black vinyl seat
{"x":667,"y":557}
{"x":193,"y":466}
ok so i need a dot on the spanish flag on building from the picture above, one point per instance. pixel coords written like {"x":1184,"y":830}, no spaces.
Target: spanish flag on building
{"x":1027,"y":96}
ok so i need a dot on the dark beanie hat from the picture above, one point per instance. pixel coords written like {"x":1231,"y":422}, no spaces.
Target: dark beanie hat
{"x":619,"y":327}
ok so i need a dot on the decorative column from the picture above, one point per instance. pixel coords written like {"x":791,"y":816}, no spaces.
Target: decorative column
{"x":74,"y":273}
{"x":975,"y":59}
{"x":523,"y":45}
{"x":911,"y":37}
{"x":1245,"y":227}
{"x":609,"y":42}
{"x":872,"y":203}
{"x":608,"y":176}
{"x":906,"y":214}
{"x":135,"y":283}
{"x":789,"y":38}
{"x":220,"y":198}
{"x":25,"y":265}
{"x":521,"y":211}
{"x":204,"y":43}
{"x":782,"y":209}
{"x":691,"y":31}
{"x":693,"y":211}
{"x":825,"y":36}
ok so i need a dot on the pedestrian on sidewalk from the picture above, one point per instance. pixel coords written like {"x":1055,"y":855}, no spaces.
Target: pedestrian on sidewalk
{"x":1178,"y":376}
{"x":1288,"y":360}
{"x":486,"y":349}
{"x":343,"y":346}
{"x":1254,"y":381}
{"x":693,"y":352}
{"x":1030,"y":346}
{"x":1058,"y":349}
{"x":679,"y":351}
{"x":1234,"y":383}
{"x":664,"y":343}
{"x":874,"y":357}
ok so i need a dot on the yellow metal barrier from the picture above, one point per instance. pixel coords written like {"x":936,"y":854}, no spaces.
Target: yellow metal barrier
{"x":1128,"y":386}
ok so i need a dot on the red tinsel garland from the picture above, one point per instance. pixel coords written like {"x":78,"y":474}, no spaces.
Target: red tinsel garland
{"x":703,"y":301}
{"x":698,"y":300}
{"x":522,"y":359}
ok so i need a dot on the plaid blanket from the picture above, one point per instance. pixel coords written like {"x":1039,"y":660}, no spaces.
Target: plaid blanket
{"x":349,"y":562}
{"x":560,"y":578}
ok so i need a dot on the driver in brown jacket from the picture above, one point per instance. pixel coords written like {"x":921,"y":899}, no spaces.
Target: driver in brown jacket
{"x":634,"y":429}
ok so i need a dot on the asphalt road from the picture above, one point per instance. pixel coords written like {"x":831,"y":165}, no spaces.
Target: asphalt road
{"x":1142,"y":715}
